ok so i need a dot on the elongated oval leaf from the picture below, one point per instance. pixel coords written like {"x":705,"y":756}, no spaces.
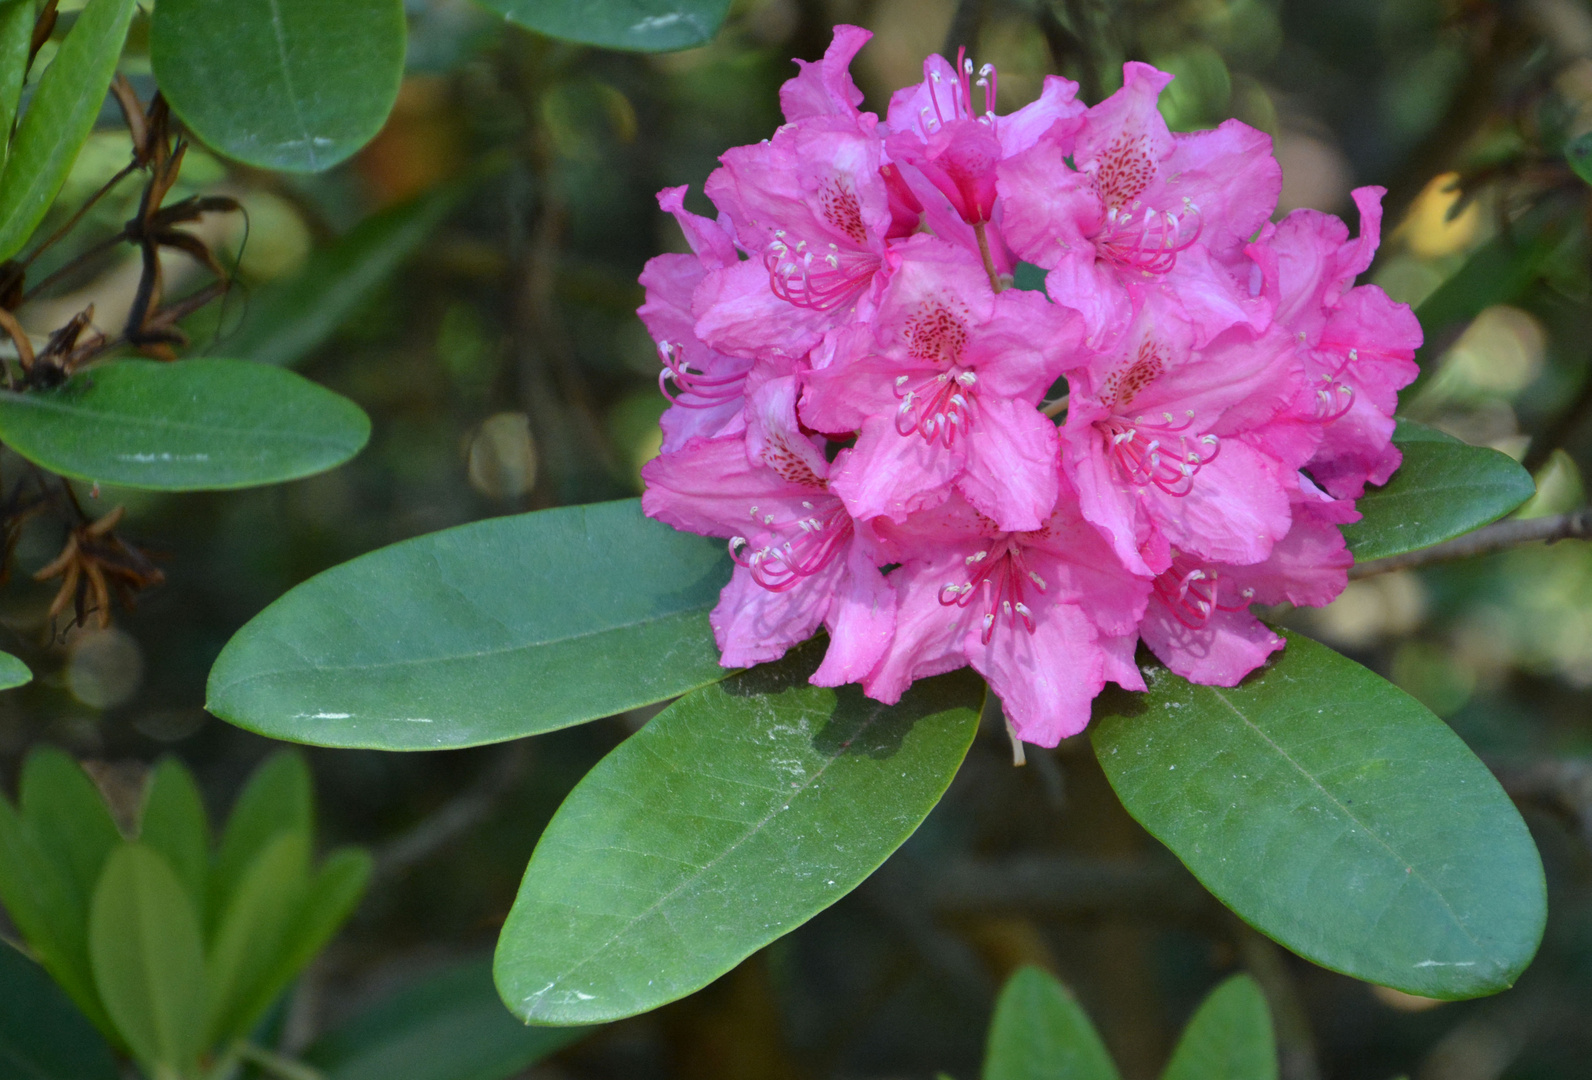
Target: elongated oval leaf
{"x":297,"y":85}
{"x":13,"y":672}
{"x":734,"y":816}
{"x":68,"y":819}
{"x":16,"y":37}
{"x":252,"y":931}
{"x":279,"y":797}
{"x":1334,"y":813}
{"x":192,"y":425}
{"x":58,"y":120}
{"x":148,"y":959}
{"x":1041,"y":1033}
{"x":638,"y":25}
{"x":1228,"y":1038}
{"x":42,"y":1036}
{"x":482,"y":633}
{"x":1444,"y":488}
{"x":286,"y":320}
{"x":174,"y":826}
{"x":452,"y":1026}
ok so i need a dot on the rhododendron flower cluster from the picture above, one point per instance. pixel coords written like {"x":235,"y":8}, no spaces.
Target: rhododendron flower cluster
{"x":864,"y":406}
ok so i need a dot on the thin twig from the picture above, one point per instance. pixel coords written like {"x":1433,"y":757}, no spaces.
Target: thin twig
{"x":1484,"y":541}
{"x":1057,"y":407}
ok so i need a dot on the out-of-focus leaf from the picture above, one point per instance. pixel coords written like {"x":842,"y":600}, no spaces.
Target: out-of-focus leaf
{"x":1495,"y":273}
{"x":481,"y":633}
{"x":297,"y":85}
{"x":1334,"y":813}
{"x":333,"y":893}
{"x":43,"y":902}
{"x":174,"y":826}
{"x":280,"y":797}
{"x":1229,"y":1037}
{"x":192,"y":425}
{"x":733,"y":817}
{"x":13,"y":672}
{"x":59,"y":118}
{"x":16,"y":35}
{"x":638,"y":25}
{"x":252,"y":932}
{"x":452,"y":1026}
{"x":68,"y":819}
{"x":1040,"y":1033}
{"x":287,"y":319}
{"x":148,"y":958}
{"x":42,"y":1035}
{"x":1578,"y":152}
{"x":1443,"y":489}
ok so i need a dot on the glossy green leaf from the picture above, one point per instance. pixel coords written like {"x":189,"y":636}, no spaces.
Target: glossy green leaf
{"x":296,"y":85}
{"x":1443,"y":489}
{"x":481,"y":633}
{"x":148,"y":958}
{"x":16,"y":36}
{"x":59,"y":118}
{"x":288,"y":319}
{"x":173,"y":825}
{"x":1229,"y":1037}
{"x":638,"y":25}
{"x":1041,"y":1033}
{"x":42,"y":1035}
{"x":1334,"y":813}
{"x":13,"y":672}
{"x":734,"y":816}
{"x":252,"y":932}
{"x":45,"y":905}
{"x":192,"y":425}
{"x":330,"y":899}
{"x":452,"y":1026}
{"x":279,"y":797}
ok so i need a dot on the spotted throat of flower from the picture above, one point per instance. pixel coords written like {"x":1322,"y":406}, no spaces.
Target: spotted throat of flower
{"x":1134,"y":236}
{"x":822,"y":274}
{"x":1161,"y":450}
{"x":939,"y":396}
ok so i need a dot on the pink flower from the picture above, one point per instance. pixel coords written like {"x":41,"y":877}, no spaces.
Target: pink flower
{"x":1198,"y":621}
{"x":1173,"y":446}
{"x":1358,"y":345}
{"x":825,"y":88}
{"x":1047,"y":615}
{"x":942,"y":386}
{"x":709,"y":386}
{"x":949,"y":152}
{"x":1136,"y":205}
{"x":801,"y":560}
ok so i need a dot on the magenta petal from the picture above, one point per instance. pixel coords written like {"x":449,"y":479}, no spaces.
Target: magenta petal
{"x":753,"y":625}
{"x":1011,"y":464}
{"x":1220,"y":653}
{"x":826,"y":88}
{"x":928,"y":634}
{"x":892,"y":475}
{"x":861,"y":622}
{"x":1047,"y":679}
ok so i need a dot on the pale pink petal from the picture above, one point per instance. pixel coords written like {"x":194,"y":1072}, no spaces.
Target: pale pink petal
{"x":1230,"y":177}
{"x":710,"y":487}
{"x":753,"y":625}
{"x":1047,"y":679}
{"x":861,"y":621}
{"x":1056,"y":113}
{"x":1049,"y":209}
{"x":1220,"y":653}
{"x":710,"y":240}
{"x":928,"y":634}
{"x":1236,"y":510}
{"x":893,"y":475}
{"x":738,"y":313}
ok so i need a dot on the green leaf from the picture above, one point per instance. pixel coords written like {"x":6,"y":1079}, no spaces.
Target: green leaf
{"x":1229,"y":1037}
{"x":452,"y":1026}
{"x":68,"y":819}
{"x":1443,"y":489}
{"x":13,"y":672}
{"x":251,"y":934}
{"x":1040,"y":1033}
{"x":148,"y":959}
{"x":482,"y":633}
{"x":734,"y":816}
{"x":16,"y":37}
{"x":174,"y":826}
{"x":288,"y":319}
{"x":638,"y":25}
{"x":296,"y":85}
{"x":1334,"y":813}
{"x":331,"y":897}
{"x":1578,"y":152}
{"x":58,"y":120}
{"x":279,"y":797}
{"x":192,"y":425}
{"x":42,"y":1036}
{"x":46,"y":907}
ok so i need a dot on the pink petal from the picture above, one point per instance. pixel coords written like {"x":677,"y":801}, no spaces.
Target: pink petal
{"x":861,"y":622}
{"x":1011,"y":464}
{"x":753,"y":625}
{"x":1220,"y":653}
{"x":825,"y":88}
{"x":892,"y":475}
